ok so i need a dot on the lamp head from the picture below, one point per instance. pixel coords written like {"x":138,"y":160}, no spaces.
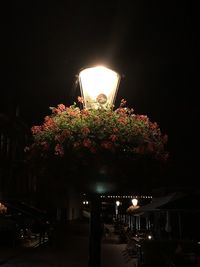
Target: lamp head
{"x":98,"y":87}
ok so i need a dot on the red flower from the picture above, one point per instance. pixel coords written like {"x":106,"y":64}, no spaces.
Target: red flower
{"x":122,"y":120}
{"x":113,"y":137}
{"x":85,"y":130}
{"x":87,"y":143}
{"x":153,"y":126}
{"x":85,"y":112}
{"x":115,"y":130}
{"x":80,"y":99}
{"x":143,"y":118}
{"x":73,"y":112}
{"x":36,"y":129}
{"x":59,"y":150}
{"x":121,"y":110}
{"x":49,"y":123}
{"x":61,"y":107}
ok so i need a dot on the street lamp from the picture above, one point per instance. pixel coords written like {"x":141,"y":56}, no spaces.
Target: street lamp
{"x":98,"y":87}
{"x":134,"y":202}
{"x":116,"y":208}
{"x":135,"y":206}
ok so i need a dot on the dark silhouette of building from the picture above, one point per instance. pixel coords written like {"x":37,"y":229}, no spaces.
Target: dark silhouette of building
{"x":15,"y":180}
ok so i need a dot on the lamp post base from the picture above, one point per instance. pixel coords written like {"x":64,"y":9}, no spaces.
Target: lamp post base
{"x":95,"y":232}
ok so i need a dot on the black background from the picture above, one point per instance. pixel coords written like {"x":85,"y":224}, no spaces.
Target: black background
{"x":154,"y":44}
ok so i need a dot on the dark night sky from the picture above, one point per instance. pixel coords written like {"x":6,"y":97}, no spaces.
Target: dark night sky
{"x":153,"y":43}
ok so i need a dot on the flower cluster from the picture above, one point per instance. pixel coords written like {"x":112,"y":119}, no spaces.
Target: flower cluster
{"x":120,"y":131}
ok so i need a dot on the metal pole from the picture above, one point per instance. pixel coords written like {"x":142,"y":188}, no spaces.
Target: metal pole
{"x":95,"y":232}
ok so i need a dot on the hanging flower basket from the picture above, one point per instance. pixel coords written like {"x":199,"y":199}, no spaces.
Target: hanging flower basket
{"x":74,"y":132}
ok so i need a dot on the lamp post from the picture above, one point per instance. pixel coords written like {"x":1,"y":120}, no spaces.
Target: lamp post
{"x":135,"y":206}
{"x":98,"y":89}
{"x":117,"y":208}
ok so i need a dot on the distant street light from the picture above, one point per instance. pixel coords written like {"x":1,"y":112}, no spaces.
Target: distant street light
{"x":116,"y":208}
{"x":135,"y":202}
{"x":98,"y":87}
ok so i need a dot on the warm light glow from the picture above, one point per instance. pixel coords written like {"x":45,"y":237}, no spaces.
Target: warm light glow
{"x":117,"y":203}
{"x":134,"y":202}
{"x":98,"y":87}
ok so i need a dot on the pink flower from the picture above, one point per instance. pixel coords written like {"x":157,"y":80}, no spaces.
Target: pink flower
{"x":56,"y":111}
{"x":59,"y":150}
{"x":85,"y":130}
{"x":143,"y":118}
{"x":153,"y":126}
{"x":72,"y":112}
{"x":121,"y":110}
{"x":122,"y":120}
{"x":49,"y":123}
{"x":80,"y":99}
{"x":36,"y":129}
{"x":61,"y":107}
